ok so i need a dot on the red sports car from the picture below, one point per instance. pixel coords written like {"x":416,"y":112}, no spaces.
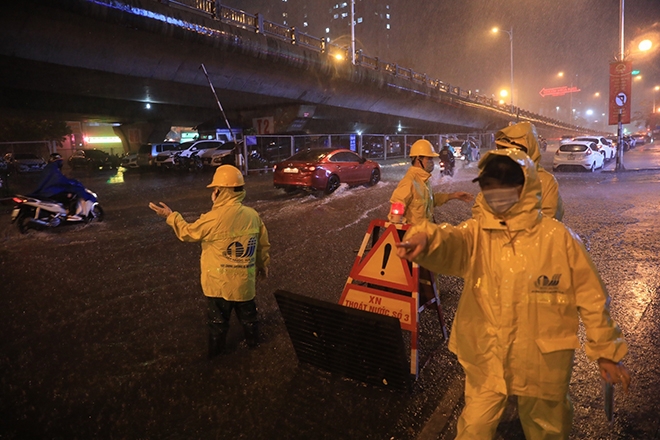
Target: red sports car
{"x":324,"y":169}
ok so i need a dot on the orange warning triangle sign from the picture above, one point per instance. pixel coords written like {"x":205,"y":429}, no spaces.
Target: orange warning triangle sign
{"x":382,"y":266}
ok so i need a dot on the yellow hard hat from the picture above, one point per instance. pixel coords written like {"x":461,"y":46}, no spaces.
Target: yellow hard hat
{"x":227,"y":176}
{"x":422,"y":147}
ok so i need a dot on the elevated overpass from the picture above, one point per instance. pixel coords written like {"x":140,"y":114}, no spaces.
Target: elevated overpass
{"x":108,"y":60}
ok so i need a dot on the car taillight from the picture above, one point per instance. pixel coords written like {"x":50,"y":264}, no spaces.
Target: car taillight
{"x":18,"y":200}
{"x":587,"y":153}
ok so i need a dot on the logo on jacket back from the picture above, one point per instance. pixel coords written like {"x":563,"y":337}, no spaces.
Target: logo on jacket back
{"x":238,"y":251}
{"x":544,"y":281}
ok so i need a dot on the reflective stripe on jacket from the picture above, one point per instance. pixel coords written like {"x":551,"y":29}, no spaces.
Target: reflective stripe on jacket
{"x":416,"y":194}
{"x":528,"y":281}
{"x":234,"y":245}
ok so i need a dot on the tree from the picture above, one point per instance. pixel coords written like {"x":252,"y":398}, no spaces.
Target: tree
{"x":18,"y":129}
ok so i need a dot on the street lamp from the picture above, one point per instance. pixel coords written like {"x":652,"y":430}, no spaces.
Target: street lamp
{"x":510,"y":34}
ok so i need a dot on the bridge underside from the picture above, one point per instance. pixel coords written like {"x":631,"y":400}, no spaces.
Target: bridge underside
{"x":82,"y":60}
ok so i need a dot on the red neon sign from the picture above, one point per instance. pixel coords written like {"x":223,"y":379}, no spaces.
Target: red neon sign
{"x":558,"y":91}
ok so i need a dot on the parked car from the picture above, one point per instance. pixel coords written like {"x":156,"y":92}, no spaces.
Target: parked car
{"x":209,"y":155}
{"x":148,"y":152}
{"x":603,"y":146}
{"x":129,"y":161}
{"x":93,"y":159}
{"x":577,"y":155}
{"x":24,"y":162}
{"x":187,"y":155}
{"x":565,"y":138}
{"x":324,"y":169}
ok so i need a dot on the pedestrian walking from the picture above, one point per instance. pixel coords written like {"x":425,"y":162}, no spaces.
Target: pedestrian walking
{"x":235,"y":248}
{"x":528,"y":282}
{"x":522,"y":136}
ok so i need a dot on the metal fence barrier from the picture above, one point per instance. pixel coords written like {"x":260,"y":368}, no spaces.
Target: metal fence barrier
{"x":264,"y":151}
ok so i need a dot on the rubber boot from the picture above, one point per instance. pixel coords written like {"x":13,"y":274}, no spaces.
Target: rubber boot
{"x":217,"y":344}
{"x":251,"y":330}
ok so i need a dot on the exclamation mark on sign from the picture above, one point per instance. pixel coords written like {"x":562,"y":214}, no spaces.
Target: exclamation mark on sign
{"x":386,"y":256}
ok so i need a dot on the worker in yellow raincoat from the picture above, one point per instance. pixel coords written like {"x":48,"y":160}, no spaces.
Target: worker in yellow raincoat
{"x":414,"y":190}
{"x":528,"y":281}
{"x":235,"y":248}
{"x":523,"y":136}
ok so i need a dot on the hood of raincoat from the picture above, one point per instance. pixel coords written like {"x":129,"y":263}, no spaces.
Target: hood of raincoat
{"x":227,"y":196}
{"x":527,"y":211}
{"x":522,"y":134}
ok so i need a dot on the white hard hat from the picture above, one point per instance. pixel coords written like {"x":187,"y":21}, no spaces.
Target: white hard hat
{"x":422,"y":147}
{"x":227,"y":176}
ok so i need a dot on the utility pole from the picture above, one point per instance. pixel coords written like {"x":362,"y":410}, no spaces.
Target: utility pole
{"x":619,"y":152}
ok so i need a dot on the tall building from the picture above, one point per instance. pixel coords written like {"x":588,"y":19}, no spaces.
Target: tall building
{"x":330,"y":20}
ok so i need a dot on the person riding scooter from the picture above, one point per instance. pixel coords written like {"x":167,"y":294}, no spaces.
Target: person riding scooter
{"x":56,"y":186}
{"x":447,"y":157}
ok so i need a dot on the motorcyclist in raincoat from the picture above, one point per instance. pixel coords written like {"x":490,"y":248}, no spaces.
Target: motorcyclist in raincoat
{"x":528,"y":282}
{"x":56,"y":186}
{"x":414,"y":190}
{"x":523,"y":136}
{"x":235,"y":248}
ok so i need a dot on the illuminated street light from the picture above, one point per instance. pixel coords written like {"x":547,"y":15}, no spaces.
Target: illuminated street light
{"x":504,"y":93}
{"x":645,"y":45}
{"x":510,"y":34}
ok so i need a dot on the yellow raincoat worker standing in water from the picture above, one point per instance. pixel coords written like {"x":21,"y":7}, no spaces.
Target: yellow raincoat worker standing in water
{"x":528,"y":281}
{"x":235,"y":248}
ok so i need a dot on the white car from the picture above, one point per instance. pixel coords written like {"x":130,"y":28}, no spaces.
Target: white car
{"x":603,"y":146}
{"x":577,"y":155}
{"x":209,"y":155}
{"x":187,"y":155}
{"x":130,"y":161}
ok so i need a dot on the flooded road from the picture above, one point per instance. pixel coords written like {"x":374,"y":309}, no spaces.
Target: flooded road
{"x":103,"y":325}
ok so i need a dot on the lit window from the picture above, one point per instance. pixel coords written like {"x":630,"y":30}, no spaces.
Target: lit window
{"x":344,"y":15}
{"x":327,"y":30}
{"x":336,"y":16}
{"x":343,"y":5}
{"x":305,"y":24}
{"x":387,"y":16}
{"x":359,"y":20}
{"x":387,"y":26}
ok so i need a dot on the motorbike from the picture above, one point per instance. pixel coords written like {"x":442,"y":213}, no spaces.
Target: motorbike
{"x":446,"y":167}
{"x":38,"y":213}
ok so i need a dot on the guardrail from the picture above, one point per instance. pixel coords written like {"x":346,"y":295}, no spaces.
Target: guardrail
{"x":256,"y":23}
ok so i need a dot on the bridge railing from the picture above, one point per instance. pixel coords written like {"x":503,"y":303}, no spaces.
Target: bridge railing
{"x":256,"y":23}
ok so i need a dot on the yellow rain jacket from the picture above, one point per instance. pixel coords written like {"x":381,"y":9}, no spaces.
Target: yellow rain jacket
{"x":528,"y":279}
{"x":234,"y":245}
{"x":524,"y":133}
{"x":416,"y":194}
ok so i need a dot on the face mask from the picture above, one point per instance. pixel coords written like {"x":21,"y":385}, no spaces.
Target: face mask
{"x":501,"y":200}
{"x":429,"y":165}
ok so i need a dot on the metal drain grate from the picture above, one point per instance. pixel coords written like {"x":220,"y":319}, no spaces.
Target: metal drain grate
{"x":353,"y":343}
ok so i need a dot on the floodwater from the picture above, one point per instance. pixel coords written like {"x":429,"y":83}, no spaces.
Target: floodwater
{"x":103,"y":325}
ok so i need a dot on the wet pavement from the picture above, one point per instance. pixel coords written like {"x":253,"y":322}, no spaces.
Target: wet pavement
{"x":103,"y":326}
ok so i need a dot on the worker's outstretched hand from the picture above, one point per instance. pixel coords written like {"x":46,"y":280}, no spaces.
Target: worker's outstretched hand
{"x":466,"y":197}
{"x":412,"y":247}
{"x":163,"y":210}
{"x":614,"y":372}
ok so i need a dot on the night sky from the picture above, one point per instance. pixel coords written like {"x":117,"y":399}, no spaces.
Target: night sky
{"x":452,"y":41}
